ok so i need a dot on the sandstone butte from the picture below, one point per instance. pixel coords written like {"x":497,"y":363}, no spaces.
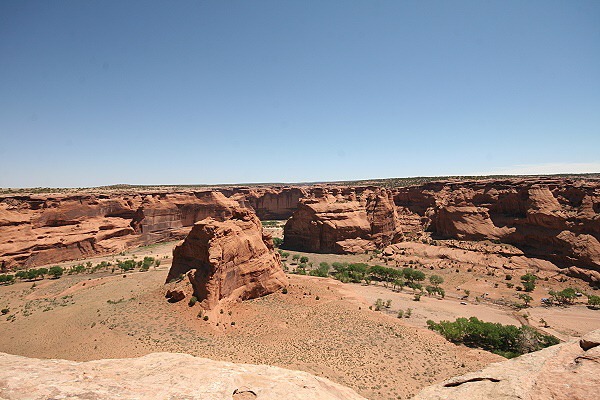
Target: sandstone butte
{"x":555,"y":219}
{"x":160,"y":376}
{"x":227,"y":261}
{"x":565,"y":371}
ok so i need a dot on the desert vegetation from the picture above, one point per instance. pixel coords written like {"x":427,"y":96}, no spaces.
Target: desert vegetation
{"x":505,"y":340}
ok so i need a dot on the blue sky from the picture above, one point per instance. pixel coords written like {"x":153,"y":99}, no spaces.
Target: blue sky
{"x":105,"y":92}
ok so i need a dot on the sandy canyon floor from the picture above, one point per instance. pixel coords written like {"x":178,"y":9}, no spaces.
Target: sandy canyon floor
{"x":320,"y":326}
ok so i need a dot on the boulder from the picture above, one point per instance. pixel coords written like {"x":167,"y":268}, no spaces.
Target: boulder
{"x":228,"y":260}
{"x":175,"y":295}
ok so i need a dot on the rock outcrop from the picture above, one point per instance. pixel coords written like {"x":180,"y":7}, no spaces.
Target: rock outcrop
{"x":555,"y":219}
{"x":549,"y":218}
{"x":335,"y":222}
{"x":275,"y":203}
{"x":565,"y":371}
{"x":42,"y":229}
{"x":228,"y":260}
{"x":159,"y":376}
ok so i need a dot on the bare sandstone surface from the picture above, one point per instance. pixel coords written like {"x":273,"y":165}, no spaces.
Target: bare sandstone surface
{"x":159,"y":376}
{"x":565,"y":371}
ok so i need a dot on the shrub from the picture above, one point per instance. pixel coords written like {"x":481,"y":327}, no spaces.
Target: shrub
{"x":505,"y":340}
{"x":205,"y":318}
{"x":277,"y":241}
{"x":417,"y":297}
{"x":400,"y":314}
{"x":378,"y":304}
{"x":284,"y":290}
{"x":192,"y":301}
{"x":5,"y":311}
{"x":508,"y":277}
{"x":408,"y":313}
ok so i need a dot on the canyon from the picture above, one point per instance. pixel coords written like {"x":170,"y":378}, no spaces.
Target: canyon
{"x":549,"y":218}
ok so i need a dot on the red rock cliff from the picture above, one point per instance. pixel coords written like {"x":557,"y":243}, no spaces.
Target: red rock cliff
{"x":228,"y":260}
{"x":551,"y":218}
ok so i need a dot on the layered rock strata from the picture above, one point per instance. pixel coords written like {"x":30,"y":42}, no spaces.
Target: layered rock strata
{"x":553,"y":219}
{"x":337,"y":222}
{"x":228,"y":260}
{"x":40,"y":229}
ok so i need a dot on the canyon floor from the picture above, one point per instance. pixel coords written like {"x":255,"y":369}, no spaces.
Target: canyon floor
{"x":321,"y":325}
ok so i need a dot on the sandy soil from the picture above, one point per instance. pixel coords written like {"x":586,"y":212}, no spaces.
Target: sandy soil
{"x":108,"y":315}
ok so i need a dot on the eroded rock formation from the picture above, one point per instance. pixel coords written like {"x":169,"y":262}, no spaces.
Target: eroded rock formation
{"x":42,"y":229}
{"x":565,"y":371}
{"x":228,"y":260}
{"x":335,"y":222}
{"x":160,"y":376}
{"x":553,"y":219}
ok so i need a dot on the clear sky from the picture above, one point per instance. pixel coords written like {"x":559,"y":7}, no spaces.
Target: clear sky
{"x":160,"y":92}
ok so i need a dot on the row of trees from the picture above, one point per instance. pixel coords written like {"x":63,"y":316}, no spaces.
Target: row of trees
{"x":505,"y":340}
{"x":361,"y":272}
{"x":57,"y":271}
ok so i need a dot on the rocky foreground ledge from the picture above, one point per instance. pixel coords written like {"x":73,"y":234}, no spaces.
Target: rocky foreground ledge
{"x":159,"y":376}
{"x":566,"y":371}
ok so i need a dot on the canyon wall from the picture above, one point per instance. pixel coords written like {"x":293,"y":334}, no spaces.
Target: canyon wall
{"x":42,"y":229}
{"x":550,"y":218}
{"x":556,"y":219}
{"x":334,"y":221}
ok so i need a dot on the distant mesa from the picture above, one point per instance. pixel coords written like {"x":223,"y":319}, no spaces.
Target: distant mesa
{"x":227,"y":261}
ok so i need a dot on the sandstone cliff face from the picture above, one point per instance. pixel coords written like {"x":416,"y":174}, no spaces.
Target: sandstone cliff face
{"x":228,"y":260}
{"x":565,"y":371}
{"x":554,"y":219}
{"x":37,"y":230}
{"x":336,"y":222}
{"x":159,"y":376}
{"x":276,"y":203}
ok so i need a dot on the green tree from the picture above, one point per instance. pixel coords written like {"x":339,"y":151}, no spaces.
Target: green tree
{"x":56,"y":271}
{"x":436,"y":280}
{"x":303,"y":259}
{"x":526,"y":298}
{"x":529,"y":286}
{"x":594,"y":301}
